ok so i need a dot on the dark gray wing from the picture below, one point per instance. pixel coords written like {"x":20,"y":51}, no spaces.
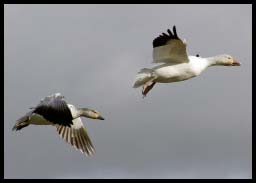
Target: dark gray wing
{"x":55,"y":109}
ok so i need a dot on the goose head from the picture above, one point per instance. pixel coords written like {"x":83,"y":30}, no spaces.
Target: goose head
{"x":225,"y":60}
{"x":90,"y":113}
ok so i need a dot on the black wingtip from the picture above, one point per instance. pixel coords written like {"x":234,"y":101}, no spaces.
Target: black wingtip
{"x":170,"y":32}
{"x":174,"y":31}
{"x":164,"y":34}
{"x":163,"y":38}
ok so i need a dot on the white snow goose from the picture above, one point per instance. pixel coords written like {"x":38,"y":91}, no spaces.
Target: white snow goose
{"x":54,"y":110}
{"x":170,"y":50}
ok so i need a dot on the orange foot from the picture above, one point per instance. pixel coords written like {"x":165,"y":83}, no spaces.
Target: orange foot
{"x":147,"y":87}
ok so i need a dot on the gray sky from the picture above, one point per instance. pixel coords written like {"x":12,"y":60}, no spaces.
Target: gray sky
{"x":200,"y":128}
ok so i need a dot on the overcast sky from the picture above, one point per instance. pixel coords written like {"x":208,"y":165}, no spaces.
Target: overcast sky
{"x":199,"y":128}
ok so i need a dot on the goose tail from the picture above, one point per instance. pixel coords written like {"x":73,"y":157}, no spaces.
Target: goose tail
{"x":22,"y":122}
{"x":144,"y":75}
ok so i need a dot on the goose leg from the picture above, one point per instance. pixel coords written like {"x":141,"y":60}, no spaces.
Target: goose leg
{"x":147,"y":87}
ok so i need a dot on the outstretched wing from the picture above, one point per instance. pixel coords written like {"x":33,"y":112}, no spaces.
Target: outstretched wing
{"x":55,"y":109}
{"x":169,"y":48}
{"x":76,"y":135}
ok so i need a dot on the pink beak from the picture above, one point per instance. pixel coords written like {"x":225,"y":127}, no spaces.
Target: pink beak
{"x":235,"y":63}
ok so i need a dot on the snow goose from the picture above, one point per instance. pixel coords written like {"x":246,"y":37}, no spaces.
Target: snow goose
{"x":54,"y":110}
{"x":170,"y":50}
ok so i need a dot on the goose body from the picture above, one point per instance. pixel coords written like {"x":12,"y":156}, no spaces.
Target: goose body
{"x":167,"y":73}
{"x":55,"y":111}
{"x":175,"y":65}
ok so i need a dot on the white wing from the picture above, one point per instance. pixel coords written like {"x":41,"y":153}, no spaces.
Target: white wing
{"x":77,"y":136}
{"x":169,"y":48}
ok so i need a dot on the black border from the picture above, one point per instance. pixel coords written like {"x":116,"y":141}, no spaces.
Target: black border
{"x":173,"y":2}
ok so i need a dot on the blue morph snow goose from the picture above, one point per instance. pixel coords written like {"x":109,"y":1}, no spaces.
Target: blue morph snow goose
{"x":170,"y":50}
{"x":54,"y":110}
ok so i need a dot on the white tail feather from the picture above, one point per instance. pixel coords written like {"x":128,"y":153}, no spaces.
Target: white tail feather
{"x":143,"y":77}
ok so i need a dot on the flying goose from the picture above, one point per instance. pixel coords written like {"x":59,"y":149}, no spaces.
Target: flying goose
{"x":176,"y":65}
{"x":54,"y":110}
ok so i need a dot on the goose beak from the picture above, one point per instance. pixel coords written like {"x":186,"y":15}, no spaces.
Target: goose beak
{"x":100,"y":117}
{"x":235,"y":63}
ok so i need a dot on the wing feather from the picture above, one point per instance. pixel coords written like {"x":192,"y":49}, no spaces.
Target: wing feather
{"x":76,"y":135}
{"x":169,"y":48}
{"x":55,"y":109}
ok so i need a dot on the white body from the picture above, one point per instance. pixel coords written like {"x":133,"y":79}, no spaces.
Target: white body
{"x":172,"y":72}
{"x":167,"y":73}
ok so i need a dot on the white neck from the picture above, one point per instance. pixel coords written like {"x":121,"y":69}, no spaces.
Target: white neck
{"x":199,"y":64}
{"x":213,"y":61}
{"x":202,"y":63}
